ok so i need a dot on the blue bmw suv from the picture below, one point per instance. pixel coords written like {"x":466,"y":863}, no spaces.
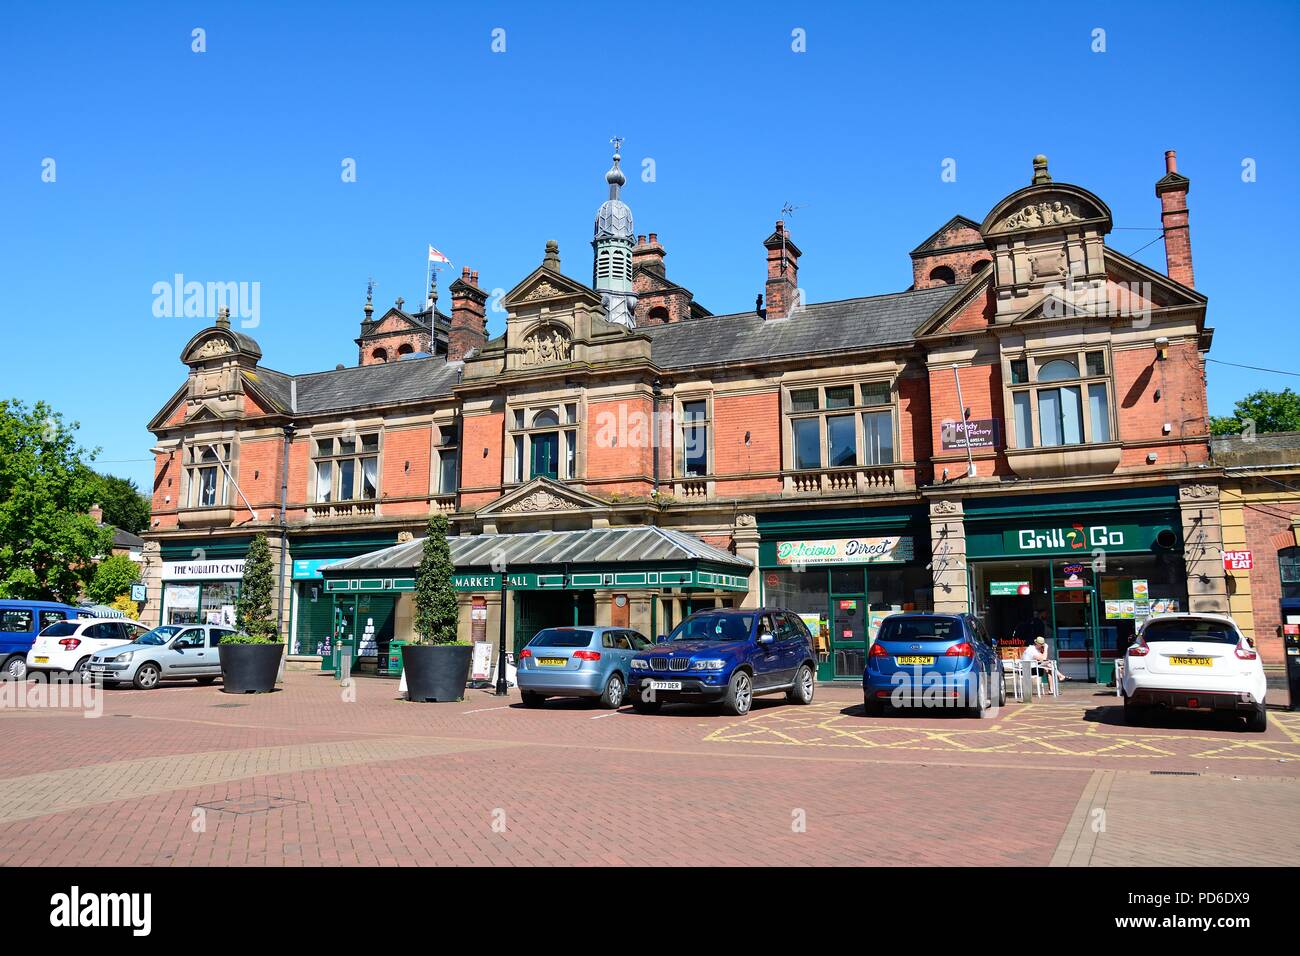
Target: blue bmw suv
{"x":724,"y":656}
{"x":933,"y":660}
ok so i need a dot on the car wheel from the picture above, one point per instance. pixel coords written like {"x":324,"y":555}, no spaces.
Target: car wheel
{"x":82,"y":671}
{"x":1002,"y":687}
{"x":804,"y":686}
{"x":1257,"y":722}
{"x":615,"y":690}
{"x":985,"y":710}
{"x":531,"y":699}
{"x":147,"y":676}
{"x":740,"y":694}
{"x":15,"y":668}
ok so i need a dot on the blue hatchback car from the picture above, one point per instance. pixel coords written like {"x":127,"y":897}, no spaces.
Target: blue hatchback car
{"x":578,"y":662}
{"x":933,"y":660}
{"x":726,"y":657}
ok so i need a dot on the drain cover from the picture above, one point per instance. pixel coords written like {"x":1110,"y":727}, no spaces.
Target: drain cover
{"x":255,"y":803}
{"x":1175,"y":773}
{"x":229,"y":705}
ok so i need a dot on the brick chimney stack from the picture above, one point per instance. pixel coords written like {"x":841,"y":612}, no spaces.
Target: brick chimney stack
{"x":468,"y":316}
{"x":782,"y":272}
{"x":97,"y":514}
{"x":649,"y":255}
{"x":1172,"y":192}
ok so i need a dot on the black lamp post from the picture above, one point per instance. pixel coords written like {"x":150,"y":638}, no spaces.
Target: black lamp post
{"x":502,"y":687}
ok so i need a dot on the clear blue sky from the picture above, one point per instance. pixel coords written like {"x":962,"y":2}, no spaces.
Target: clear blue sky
{"x":225,"y":165}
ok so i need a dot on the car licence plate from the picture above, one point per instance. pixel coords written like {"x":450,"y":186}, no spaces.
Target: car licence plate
{"x":665,"y":685}
{"x":553,"y":661}
{"x":41,"y":660}
{"x":913,"y":659}
{"x":1191,"y":661}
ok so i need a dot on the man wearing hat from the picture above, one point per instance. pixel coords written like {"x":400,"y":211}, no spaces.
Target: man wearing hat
{"x":1035,"y":656}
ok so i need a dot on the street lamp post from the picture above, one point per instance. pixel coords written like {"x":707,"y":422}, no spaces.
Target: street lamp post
{"x":502,"y":687}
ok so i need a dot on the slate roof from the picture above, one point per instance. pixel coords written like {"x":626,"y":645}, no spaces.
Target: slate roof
{"x":820,"y":327}
{"x":406,"y":380}
{"x":601,"y":546}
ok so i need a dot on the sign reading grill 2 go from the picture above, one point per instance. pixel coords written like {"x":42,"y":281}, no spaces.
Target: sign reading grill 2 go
{"x":1074,"y":538}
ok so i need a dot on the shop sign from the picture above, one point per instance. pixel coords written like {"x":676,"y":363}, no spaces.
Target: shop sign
{"x":1075,"y":537}
{"x":1072,"y":576}
{"x":309,"y":569}
{"x":203,"y":570}
{"x":139,"y":593}
{"x":1003,"y":588}
{"x":1238,"y":561}
{"x":492,"y":582}
{"x":844,"y":551}
{"x":976,"y":433}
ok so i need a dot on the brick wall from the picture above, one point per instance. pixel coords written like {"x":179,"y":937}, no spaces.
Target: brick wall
{"x":1263,"y":521}
{"x":481,"y":431}
{"x":1180,"y":381}
{"x":760,"y":415}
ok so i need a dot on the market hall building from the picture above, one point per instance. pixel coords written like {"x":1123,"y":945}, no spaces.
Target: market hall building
{"x":1022,"y":429}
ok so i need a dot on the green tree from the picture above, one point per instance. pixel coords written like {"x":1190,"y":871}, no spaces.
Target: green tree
{"x":48,"y":542}
{"x":112,"y":579}
{"x":1263,"y":411}
{"x":254,"y":613}
{"x":436,"y":613}
{"x":124,"y":506}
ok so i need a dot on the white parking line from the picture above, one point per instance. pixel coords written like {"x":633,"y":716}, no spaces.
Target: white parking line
{"x":611,"y":713}
{"x":484,"y":710}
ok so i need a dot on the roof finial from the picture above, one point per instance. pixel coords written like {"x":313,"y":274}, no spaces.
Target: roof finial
{"x":1041,"y":175}
{"x":223,"y":318}
{"x":615,"y":176}
{"x":433,"y":289}
{"x":370,"y":298}
{"x":552,"y":258}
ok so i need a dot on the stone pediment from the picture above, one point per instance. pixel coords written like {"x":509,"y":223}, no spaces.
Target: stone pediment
{"x":542,"y":496}
{"x":1051,"y":206}
{"x":549,"y":288}
{"x":219,"y":342}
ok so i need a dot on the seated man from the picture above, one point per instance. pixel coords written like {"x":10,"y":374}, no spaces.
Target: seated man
{"x":1036,"y":656}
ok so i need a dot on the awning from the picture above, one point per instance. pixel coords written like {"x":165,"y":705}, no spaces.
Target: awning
{"x":642,"y":556}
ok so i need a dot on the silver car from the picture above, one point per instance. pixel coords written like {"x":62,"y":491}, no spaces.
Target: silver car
{"x":578,"y":662}
{"x":169,"y":652}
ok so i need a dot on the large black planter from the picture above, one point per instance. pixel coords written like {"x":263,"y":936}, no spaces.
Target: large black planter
{"x":249,"y":668}
{"x":436,"y":672}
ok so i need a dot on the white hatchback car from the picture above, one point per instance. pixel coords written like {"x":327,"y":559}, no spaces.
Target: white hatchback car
{"x":69,"y":645}
{"x":1194,"y":662}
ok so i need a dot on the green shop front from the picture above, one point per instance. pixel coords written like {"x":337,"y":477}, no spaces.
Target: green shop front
{"x":1084,"y":572}
{"x":313,"y":611}
{"x":844,"y":572}
{"x":642,"y":578}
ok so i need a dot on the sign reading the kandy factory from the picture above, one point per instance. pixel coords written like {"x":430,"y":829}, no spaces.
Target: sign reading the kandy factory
{"x":844,"y":551}
{"x":203,"y":570}
{"x":1071,"y":538}
{"x":975,"y":433}
{"x":1238,"y":561}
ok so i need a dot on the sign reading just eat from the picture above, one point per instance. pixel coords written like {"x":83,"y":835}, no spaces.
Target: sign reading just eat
{"x":1238,"y":561}
{"x":845,"y":551}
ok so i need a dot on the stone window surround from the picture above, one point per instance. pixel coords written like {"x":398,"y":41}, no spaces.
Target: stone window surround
{"x":679,"y":433}
{"x":1036,"y":357}
{"x":194,"y":446}
{"x":789,"y":416}
{"x":530,"y":407}
{"x":331,"y":432}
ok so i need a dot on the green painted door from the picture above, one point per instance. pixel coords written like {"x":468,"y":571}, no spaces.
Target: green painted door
{"x":546,"y":455}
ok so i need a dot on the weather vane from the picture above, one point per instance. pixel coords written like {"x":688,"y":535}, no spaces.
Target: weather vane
{"x":617,"y":142}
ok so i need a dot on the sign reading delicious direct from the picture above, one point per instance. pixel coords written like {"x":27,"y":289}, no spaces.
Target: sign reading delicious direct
{"x":203,"y":570}
{"x":845,"y":551}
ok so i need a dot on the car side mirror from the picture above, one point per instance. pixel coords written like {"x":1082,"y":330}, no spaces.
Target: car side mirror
{"x":766,"y":637}
{"x":661,"y":638}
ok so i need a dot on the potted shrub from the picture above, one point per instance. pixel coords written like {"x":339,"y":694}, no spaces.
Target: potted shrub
{"x":250,"y":659}
{"x":436,"y":664}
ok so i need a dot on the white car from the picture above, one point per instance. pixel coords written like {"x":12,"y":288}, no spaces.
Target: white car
{"x":69,"y":645}
{"x":1194,"y":662}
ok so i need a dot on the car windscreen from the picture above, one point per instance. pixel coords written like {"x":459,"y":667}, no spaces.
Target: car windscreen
{"x":1205,"y":632}
{"x":60,"y":629}
{"x":159,"y":635}
{"x":714,"y":627}
{"x":561,"y":637}
{"x":919,"y":629}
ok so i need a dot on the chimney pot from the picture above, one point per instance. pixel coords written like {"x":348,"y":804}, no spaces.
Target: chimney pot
{"x":654,"y":238}
{"x":1171,"y":161}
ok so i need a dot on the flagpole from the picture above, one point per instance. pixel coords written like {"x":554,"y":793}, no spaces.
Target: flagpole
{"x":428,"y":271}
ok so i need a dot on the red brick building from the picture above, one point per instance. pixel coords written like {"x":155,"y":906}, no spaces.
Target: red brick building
{"x":1024,"y":427}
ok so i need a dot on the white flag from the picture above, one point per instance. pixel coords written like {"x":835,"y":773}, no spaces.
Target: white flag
{"x":436,"y":256}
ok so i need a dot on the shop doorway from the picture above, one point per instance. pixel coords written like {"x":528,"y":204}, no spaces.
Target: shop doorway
{"x":1077,"y":641}
{"x":535,"y":610}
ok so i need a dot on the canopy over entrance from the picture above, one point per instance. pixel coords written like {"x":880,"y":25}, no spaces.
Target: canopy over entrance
{"x":596,"y":558}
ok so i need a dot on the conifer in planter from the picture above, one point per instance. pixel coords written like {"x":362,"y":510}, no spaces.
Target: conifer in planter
{"x":250,"y":659}
{"x":436,"y":663}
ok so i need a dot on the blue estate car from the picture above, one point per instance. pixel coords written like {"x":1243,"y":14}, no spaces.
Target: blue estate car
{"x":726,"y":657}
{"x":578,"y":662}
{"x":933,"y":660}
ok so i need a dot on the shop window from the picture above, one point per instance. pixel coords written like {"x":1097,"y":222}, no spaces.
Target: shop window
{"x":841,"y":426}
{"x":695,"y":427}
{"x":545,"y":442}
{"x":1060,"y":399}
{"x":206,"y":473}
{"x":448,"y":460}
{"x":346,"y":468}
{"x":1288,"y":563}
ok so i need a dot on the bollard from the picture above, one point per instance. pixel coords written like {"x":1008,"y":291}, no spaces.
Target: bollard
{"x":344,"y":673}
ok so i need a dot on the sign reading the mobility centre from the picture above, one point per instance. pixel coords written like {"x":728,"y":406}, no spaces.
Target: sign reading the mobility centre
{"x":203,"y":570}
{"x":845,"y":551}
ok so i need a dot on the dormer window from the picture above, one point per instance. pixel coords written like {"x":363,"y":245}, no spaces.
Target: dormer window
{"x":943,"y":275}
{"x":380,"y":355}
{"x":1060,"y":399}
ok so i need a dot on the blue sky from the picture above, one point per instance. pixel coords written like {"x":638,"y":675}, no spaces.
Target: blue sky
{"x":226,"y":165}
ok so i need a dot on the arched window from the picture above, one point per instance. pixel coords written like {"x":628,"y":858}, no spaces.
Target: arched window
{"x":546,"y":419}
{"x":977,"y":266}
{"x":658,"y":315}
{"x":405,"y":349}
{"x":380,"y":355}
{"x":943,"y":274}
{"x":1057,"y":370}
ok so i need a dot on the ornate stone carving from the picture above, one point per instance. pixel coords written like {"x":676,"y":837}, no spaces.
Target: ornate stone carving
{"x":543,"y":290}
{"x":746,"y":520}
{"x":1198,"y":492}
{"x":404,"y":536}
{"x":1043,"y":213}
{"x":212,"y":348}
{"x":546,"y":346}
{"x":945,"y":507}
{"x":1048,"y":265}
{"x":540,"y":500}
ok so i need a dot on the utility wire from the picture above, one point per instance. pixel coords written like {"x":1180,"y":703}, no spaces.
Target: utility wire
{"x":1253,"y":368}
